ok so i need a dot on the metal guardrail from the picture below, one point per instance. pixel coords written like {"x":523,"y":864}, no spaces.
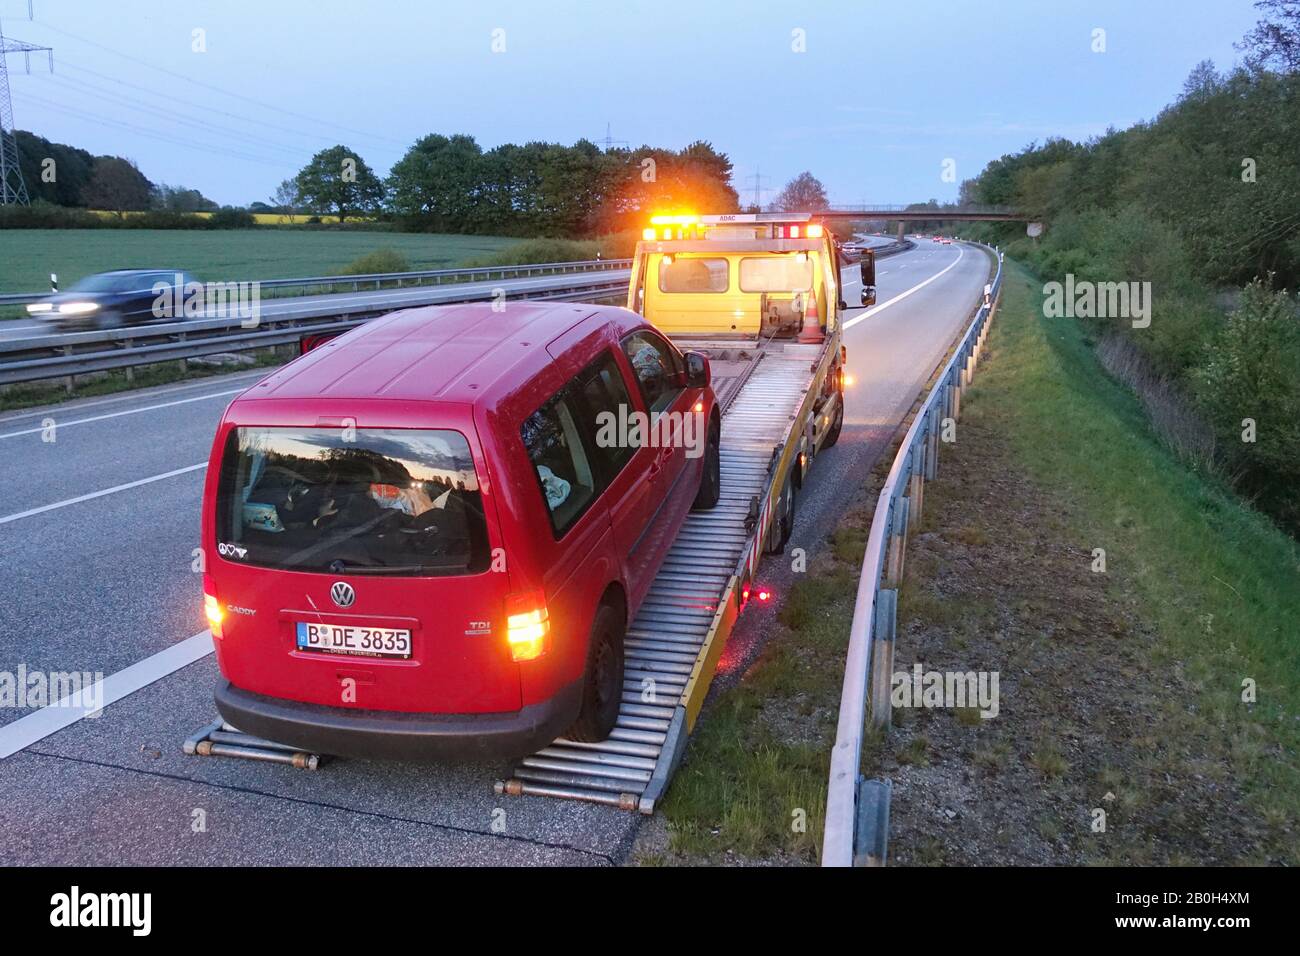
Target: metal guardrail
{"x":403,"y":278}
{"x":77,"y":353}
{"x":854,"y":805}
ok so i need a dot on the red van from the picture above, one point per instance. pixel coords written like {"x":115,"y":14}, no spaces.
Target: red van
{"x":424,"y":538}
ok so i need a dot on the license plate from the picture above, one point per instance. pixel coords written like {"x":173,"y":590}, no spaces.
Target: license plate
{"x":359,"y":641}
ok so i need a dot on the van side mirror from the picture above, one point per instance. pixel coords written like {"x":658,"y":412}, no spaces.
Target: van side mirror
{"x":698,"y":374}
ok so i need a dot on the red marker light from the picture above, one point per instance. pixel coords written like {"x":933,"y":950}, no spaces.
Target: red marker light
{"x":764,"y":595}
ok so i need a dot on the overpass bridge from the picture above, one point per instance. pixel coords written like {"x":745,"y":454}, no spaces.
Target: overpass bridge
{"x":914,"y":213}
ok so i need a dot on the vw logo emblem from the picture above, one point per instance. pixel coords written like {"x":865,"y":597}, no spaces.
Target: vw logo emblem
{"x":343,"y":594}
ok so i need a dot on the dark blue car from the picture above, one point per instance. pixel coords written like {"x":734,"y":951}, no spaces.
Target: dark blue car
{"x":110,"y":300}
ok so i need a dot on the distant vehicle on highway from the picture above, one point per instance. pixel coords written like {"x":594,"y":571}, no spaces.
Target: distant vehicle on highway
{"x":110,"y":300}
{"x":421,"y":543}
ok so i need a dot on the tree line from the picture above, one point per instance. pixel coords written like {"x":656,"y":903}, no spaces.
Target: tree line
{"x":1203,"y":202}
{"x":451,"y":184}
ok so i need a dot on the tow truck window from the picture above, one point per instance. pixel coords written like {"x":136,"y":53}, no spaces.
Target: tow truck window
{"x":776,"y":274}
{"x":371,"y":501}
{"x":693,"y":275}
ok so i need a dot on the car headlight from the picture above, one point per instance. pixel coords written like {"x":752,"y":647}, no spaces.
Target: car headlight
{"x":77,"y":308}
{"x":39,"y":307}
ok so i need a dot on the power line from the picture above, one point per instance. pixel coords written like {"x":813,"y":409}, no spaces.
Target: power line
{"x":172,"y":116}
{"x":218,"y":89}
{"x":279,"y":127}
{"x":152,"y":134}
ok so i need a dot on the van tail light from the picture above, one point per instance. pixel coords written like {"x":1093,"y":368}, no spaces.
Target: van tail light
{"x":309,"y":342}
{"x":528,"y":625}
{"x":212,"y":607}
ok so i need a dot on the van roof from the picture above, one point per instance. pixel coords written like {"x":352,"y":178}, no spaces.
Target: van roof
{"x":434,"y":353}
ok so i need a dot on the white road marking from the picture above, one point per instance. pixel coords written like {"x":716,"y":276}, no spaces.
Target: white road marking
{"x":100,"y":494}
{"x":903,"y":295}
{"x":25,"y":731}
{"x":129,"y":411}
{"x":135,"y":395}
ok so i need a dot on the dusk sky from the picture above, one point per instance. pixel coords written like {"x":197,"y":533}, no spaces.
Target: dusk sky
{"x":884,"y":93}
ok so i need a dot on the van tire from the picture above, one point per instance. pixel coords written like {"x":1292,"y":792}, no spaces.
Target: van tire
{"x":711,"y":481}
{"x":602,"y":681}
{"x":837,"y":423}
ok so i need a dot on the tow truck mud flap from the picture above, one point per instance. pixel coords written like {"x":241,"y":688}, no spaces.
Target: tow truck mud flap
{"x":219,"y":739}
{"x":673,"y":646}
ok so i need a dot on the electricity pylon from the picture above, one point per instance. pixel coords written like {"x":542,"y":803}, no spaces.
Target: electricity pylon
{"x":13,"y":191}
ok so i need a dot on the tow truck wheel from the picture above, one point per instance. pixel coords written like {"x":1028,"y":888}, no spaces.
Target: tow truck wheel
{"x":837,"y":423}
{"x":711,"y":480}
{"x":784,"y":526}
{"x":602,"y":684}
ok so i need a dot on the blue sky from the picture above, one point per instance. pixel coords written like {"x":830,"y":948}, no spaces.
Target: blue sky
{"x":882,"y":95}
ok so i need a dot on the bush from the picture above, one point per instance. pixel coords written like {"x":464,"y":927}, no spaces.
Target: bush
{"x":232,"y":217}
{"x":1252,"y":371}
{"x":385,"y":259}
{"x":46,"y":215}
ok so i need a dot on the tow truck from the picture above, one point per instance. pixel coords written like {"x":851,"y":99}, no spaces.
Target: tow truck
{"x":761,"y":294}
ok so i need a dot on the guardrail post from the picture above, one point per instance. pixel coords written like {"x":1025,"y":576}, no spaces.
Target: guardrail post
{"x":932,"y":440}
{"x":871,"y":829}
{"x":955,"y":388}
{"x":897,"y":542}
{"x":916,"y":485}
{"x":69,"y":381}
{"x":882,"y":658}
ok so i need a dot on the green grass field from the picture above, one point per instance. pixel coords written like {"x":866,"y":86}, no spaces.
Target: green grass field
{"x":30,"y":255}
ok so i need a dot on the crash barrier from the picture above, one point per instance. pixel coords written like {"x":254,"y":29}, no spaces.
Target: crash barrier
{"x":276,"y":323}
{"x":857,"y":810}
{"x":403,"y":279}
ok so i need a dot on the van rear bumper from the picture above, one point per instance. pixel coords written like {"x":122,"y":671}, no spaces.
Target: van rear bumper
{"x":393,"y":735}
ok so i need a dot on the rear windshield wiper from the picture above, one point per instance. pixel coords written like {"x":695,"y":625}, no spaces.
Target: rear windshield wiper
{"x":345,"y":567}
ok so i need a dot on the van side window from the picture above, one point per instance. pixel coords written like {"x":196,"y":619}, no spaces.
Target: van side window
{"x":606,"y":408}
{"x":656,"y":368}
{"x":555,"y":446}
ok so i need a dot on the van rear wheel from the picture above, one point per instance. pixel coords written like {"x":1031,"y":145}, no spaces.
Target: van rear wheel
{"x":602,"y":683}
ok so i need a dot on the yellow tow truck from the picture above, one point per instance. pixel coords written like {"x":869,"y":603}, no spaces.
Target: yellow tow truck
{"x":762,"y":296}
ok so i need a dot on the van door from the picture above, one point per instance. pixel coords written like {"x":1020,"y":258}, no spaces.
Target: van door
{"x":628,"y":469}
{"x":661,"y":382}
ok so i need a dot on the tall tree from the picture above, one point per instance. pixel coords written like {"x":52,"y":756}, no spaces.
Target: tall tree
{"x":1275,"y":41}
{"x":801,"y":194}
{"x":117,"y":185}
{"x":439,"y":180}
{"x":338,"y":181}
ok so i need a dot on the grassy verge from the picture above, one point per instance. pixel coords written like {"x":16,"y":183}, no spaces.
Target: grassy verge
{"x":1121,"y":691}
{"x":753,"y":786}
{"x":1127,"y":690}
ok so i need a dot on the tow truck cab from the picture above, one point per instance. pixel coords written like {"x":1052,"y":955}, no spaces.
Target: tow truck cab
{"x":743,"y":275}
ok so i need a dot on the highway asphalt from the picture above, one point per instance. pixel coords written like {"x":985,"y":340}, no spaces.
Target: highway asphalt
{"x":98,"y":577}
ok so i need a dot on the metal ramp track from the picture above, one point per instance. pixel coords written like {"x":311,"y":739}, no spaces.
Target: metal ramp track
{"x":673,"y":643}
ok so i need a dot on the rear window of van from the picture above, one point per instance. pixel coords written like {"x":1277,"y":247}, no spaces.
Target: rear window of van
{"x":355,"y":501}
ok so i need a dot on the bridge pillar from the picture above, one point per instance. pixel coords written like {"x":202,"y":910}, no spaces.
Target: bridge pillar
{"x":902,"y":234}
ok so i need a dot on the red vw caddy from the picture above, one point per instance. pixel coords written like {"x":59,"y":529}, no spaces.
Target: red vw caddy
{"x":424,"y":540}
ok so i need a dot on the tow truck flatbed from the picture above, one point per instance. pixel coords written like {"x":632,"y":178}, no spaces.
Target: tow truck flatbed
{"x":673,"y":644}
